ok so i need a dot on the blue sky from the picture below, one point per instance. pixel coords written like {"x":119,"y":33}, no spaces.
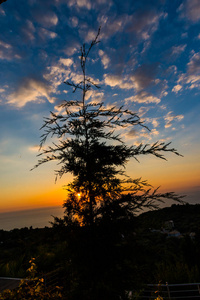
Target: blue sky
{"x":148,"y":60}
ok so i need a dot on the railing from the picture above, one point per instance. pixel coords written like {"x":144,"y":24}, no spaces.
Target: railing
{"x":9,"y":283}
{"x":183,"y":291}
{"x":51,"y":280}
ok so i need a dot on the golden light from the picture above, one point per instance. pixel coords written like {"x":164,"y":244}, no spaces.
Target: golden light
{"x":79,"y":195}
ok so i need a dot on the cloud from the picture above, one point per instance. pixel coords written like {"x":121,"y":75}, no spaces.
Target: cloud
{"x":132,"y":133}
{"x":190,"y":9}
{"x":112,"y":24}
{"x":177,"y":88}
{"x":169,"y":118}
{"x":31,"y":90}
{"x":155,"y":122}
{"x":7,"y":52}
{"x":2,"y":12}
{"x":154,"y":132}
{"x":66,"y":61}
{"x":94,"y":96}
{"x":194,"y":64}
{"x":28,"y":30}
{"x":72,"y":48}
{"x":74,"y":21}
{"x":177,"y":50}
{"x":80,"y":4}
{"x":192,"y":76}
{"x":88,"y":4}
{"x":59,"y":72}
{"x":174,"y":52}
{"x":44,"y":33}
{"x":172,"y":70}
{"x":90,"y":36}
{"x":143,"y":110}
{"x":143,"y":97}
{"x":144,"y":76}
{"x":117,"y":81}
{"x":104,"y":59}
{"x":34,"y":148}
{"x":45,"y":18}
{"x":144,"y":23}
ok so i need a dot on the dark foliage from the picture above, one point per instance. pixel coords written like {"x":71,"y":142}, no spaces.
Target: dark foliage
{"x":123,"y":255}
{"x":89,"y":148}
{"x":102,"y":200}
{"x":1,"y":1}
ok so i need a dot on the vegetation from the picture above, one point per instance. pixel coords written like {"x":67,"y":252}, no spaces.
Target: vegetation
{"x":90,"y":148}
{"x":99,"y":249}
{"x":1,"y":1}
{"x":99,"y":223}
{"x":31,"y":288}
{"x":139,"y":258}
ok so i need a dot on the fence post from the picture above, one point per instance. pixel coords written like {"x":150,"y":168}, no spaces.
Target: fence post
{"x":168,"y":291}
{"x":45,"y":283}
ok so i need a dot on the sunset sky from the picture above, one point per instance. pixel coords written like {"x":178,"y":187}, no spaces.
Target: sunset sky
{"x":148,"y":60}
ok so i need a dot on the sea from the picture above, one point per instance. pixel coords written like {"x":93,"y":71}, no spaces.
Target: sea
{"x":37,"y":218}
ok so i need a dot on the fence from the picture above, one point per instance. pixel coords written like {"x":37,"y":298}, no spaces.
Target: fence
{"x":9,"y":283}
{"x":51,"y":280}
{"x":172,"y":291}
{"x":186,"y":291}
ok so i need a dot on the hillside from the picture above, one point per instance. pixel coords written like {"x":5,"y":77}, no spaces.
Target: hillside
{"x":186,"y":218}
{"x":133,"y":249}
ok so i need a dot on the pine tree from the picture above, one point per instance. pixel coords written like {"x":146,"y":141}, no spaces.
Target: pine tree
{"x":89,"y":148}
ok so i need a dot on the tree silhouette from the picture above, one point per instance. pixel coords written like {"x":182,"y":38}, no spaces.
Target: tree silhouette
{"x":1,"y":1}
{"x":89,"y":147}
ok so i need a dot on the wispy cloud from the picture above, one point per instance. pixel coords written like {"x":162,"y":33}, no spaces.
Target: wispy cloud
{"x":74,"y":21}
{"x":177,"y":88}
{"x":28,"y":30}
{"x":2,"y":11}
{"x":104,"y":59}
{"x":192,"y":77}
{"x":44,"y":33}
{"x":80,"y":4}
{"x":190,"y":9}
{"x":31,"y":90}
{"x":117,"y":81}
{"x":111,"y":25}
{"x":143,"y":97}
{"x":177,"y":50}
{"x":94,"y":96}
{"x":34,"y":148}
{"x":155,"y":122}
{"x":7,"y":51}
{"x":58,"y":72}
{"x":66,"y":61}
{"x":47,"y":18}
{"x":144,"y":76}
{"x":145,"y":23}
{"x":169,"y":118}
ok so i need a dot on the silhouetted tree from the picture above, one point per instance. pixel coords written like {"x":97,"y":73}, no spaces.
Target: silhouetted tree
{"x":1,"y":1}
{"x":89,"y":148}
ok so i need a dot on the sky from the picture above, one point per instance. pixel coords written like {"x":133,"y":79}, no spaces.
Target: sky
{"x":148,"y":60}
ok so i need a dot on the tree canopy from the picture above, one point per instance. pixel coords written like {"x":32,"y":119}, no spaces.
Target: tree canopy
{"x":89,"y":146}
